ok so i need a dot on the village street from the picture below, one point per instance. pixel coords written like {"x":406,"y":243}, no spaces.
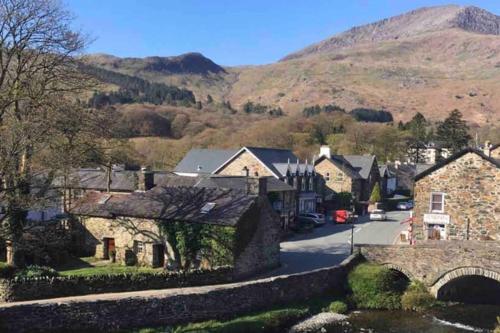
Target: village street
{"x":330,"y":244}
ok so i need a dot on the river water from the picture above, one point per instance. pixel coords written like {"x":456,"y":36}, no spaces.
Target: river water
{"x":452,"y":319}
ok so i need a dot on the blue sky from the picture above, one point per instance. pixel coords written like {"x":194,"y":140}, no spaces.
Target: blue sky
{"x":230,"y":32}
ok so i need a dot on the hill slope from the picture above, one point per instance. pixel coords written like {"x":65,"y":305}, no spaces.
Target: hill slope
{"x":414,"y":23}
{"x":431,"y":60}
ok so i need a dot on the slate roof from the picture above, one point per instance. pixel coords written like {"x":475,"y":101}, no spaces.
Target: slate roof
{"x":208,"y":159}
{"x":361,"y":163}
{"x":453,"y":158}
{"x":229,"y":182}
{"x":169,"y":204}
{"x":384,"y":169}
{"x":302,"y":167}
{"x":96,"y":179}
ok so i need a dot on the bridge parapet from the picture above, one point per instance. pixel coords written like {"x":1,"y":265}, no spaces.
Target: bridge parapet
{"x":437,"y":262}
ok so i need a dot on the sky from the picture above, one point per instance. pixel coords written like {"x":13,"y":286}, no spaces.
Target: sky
{"x":230,"y":32}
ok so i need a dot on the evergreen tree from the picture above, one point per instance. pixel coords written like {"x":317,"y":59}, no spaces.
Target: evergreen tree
{"x":453,"y":132}
{"x":376,"y":195}
{"x":418,"y":136}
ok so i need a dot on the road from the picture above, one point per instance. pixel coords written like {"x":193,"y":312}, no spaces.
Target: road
{"x":330,"y":244}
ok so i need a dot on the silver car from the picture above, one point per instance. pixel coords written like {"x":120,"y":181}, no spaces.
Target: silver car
{"x":378,"y":215}
{"x":316,"y":218}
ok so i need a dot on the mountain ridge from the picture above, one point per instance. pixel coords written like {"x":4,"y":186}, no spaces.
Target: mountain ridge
{"x":410,"y":24}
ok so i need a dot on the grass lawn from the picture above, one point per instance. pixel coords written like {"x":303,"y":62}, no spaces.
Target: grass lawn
{"x":91,"y":266}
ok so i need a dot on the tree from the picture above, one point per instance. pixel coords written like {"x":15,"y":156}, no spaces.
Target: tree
{"x":418,"y":137}
{"x":453,"y":132}
{"x":210,"y":99}
{"x":38,"y":77}
{"x":376,"y":195}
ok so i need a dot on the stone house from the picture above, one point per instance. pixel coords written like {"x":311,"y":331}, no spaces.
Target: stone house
{"x":459,"y":198}
{"x":357,"y":174}
{"x":130,"y":225}
{"x":280,"y":164}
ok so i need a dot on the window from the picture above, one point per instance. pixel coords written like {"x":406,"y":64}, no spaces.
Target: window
{"x":327,"y":178}
{"x":138,"y":247}
{"x":340,"y":176}
{"x":244,"y":172}
{"x":437,"y":202}
{"x":303,"y":184}
{"x":311,"y":184}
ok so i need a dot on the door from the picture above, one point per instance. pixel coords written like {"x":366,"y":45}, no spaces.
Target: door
{"x":108,"y":247}
{"x":158,"y":255}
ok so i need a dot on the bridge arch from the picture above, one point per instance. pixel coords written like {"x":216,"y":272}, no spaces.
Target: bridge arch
{"x":462,"y":272}
{"x":400,"y":269}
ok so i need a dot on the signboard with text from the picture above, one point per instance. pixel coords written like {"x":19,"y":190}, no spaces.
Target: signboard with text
{"x":436,"y":218}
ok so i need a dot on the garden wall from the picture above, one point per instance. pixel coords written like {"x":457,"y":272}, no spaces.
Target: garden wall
{"x":22,"y":289}
{"x":169,"y":307}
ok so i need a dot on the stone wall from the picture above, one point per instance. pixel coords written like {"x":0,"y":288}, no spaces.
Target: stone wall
{"x":124,"y":231}
{"x":472,"y":198}
{"x":430,"y":261}
{"x":41,"y":288}
{"x":170,"y":307}
{"x":262,"y":252}
{"x":245,"y":159}
{"x":335,"y":183}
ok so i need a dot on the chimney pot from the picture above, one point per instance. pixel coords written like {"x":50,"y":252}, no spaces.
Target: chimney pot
{"x":146,"y":179}
{"x":325,"y":151}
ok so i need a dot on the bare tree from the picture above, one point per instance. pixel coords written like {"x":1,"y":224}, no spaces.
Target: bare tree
{"x":38,"y":76}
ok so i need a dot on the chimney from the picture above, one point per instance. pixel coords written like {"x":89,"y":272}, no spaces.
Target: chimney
{"x":487,"y":149}
{"x":325,"y":151}
{"x":146,"y":179}
{"x":257,"y":186}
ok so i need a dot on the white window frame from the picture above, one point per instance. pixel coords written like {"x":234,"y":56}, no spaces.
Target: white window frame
{"x":138,"y":247}
{"x":442,"y":202}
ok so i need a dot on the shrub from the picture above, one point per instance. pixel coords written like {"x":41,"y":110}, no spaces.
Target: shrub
{"x":130,"y":258}
{"x":417,"y":298}
{"x":7,"y":271}
{"x":375,"y":287}
{"x":34,"y":271}
{"x":338,"y":307}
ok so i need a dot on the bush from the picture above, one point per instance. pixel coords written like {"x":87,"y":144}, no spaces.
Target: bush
{"x":34,"y":271}
{"x":417,"y":298}
{"x":7,"y":271}
{"x":338,"y":307}
{"x":376,"y":287}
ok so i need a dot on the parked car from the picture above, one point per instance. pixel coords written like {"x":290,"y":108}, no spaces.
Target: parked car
{"x":378,"y":215}
{"x":316,"y":218}
{"x":405,"y":205}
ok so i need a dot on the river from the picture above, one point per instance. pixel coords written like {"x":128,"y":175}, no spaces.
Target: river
{"x":452,"y":319}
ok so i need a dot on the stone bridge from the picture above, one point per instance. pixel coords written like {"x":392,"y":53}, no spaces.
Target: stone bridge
{"x":437,"y":263}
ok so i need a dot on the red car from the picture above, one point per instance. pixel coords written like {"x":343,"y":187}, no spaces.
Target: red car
{"x":343,"y":216}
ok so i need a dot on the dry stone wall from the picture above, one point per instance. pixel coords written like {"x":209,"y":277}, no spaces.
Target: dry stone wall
{"x":169,"y":307}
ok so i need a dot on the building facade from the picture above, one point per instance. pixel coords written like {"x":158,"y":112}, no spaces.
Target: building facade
{"x":459,"y":198}
{"x":129,"y":226}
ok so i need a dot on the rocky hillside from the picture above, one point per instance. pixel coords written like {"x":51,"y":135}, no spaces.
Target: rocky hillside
{"x":430,"y":60}
{"x":414,"y":23}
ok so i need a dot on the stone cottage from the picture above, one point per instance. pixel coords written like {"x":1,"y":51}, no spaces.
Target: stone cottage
{"x":357,"y":174}
{"x":132,"y":225}
{"x":459,"y":198}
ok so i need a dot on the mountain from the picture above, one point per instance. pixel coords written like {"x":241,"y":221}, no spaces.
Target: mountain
{"x":418,"y":22}
{"x":430,"y":60}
